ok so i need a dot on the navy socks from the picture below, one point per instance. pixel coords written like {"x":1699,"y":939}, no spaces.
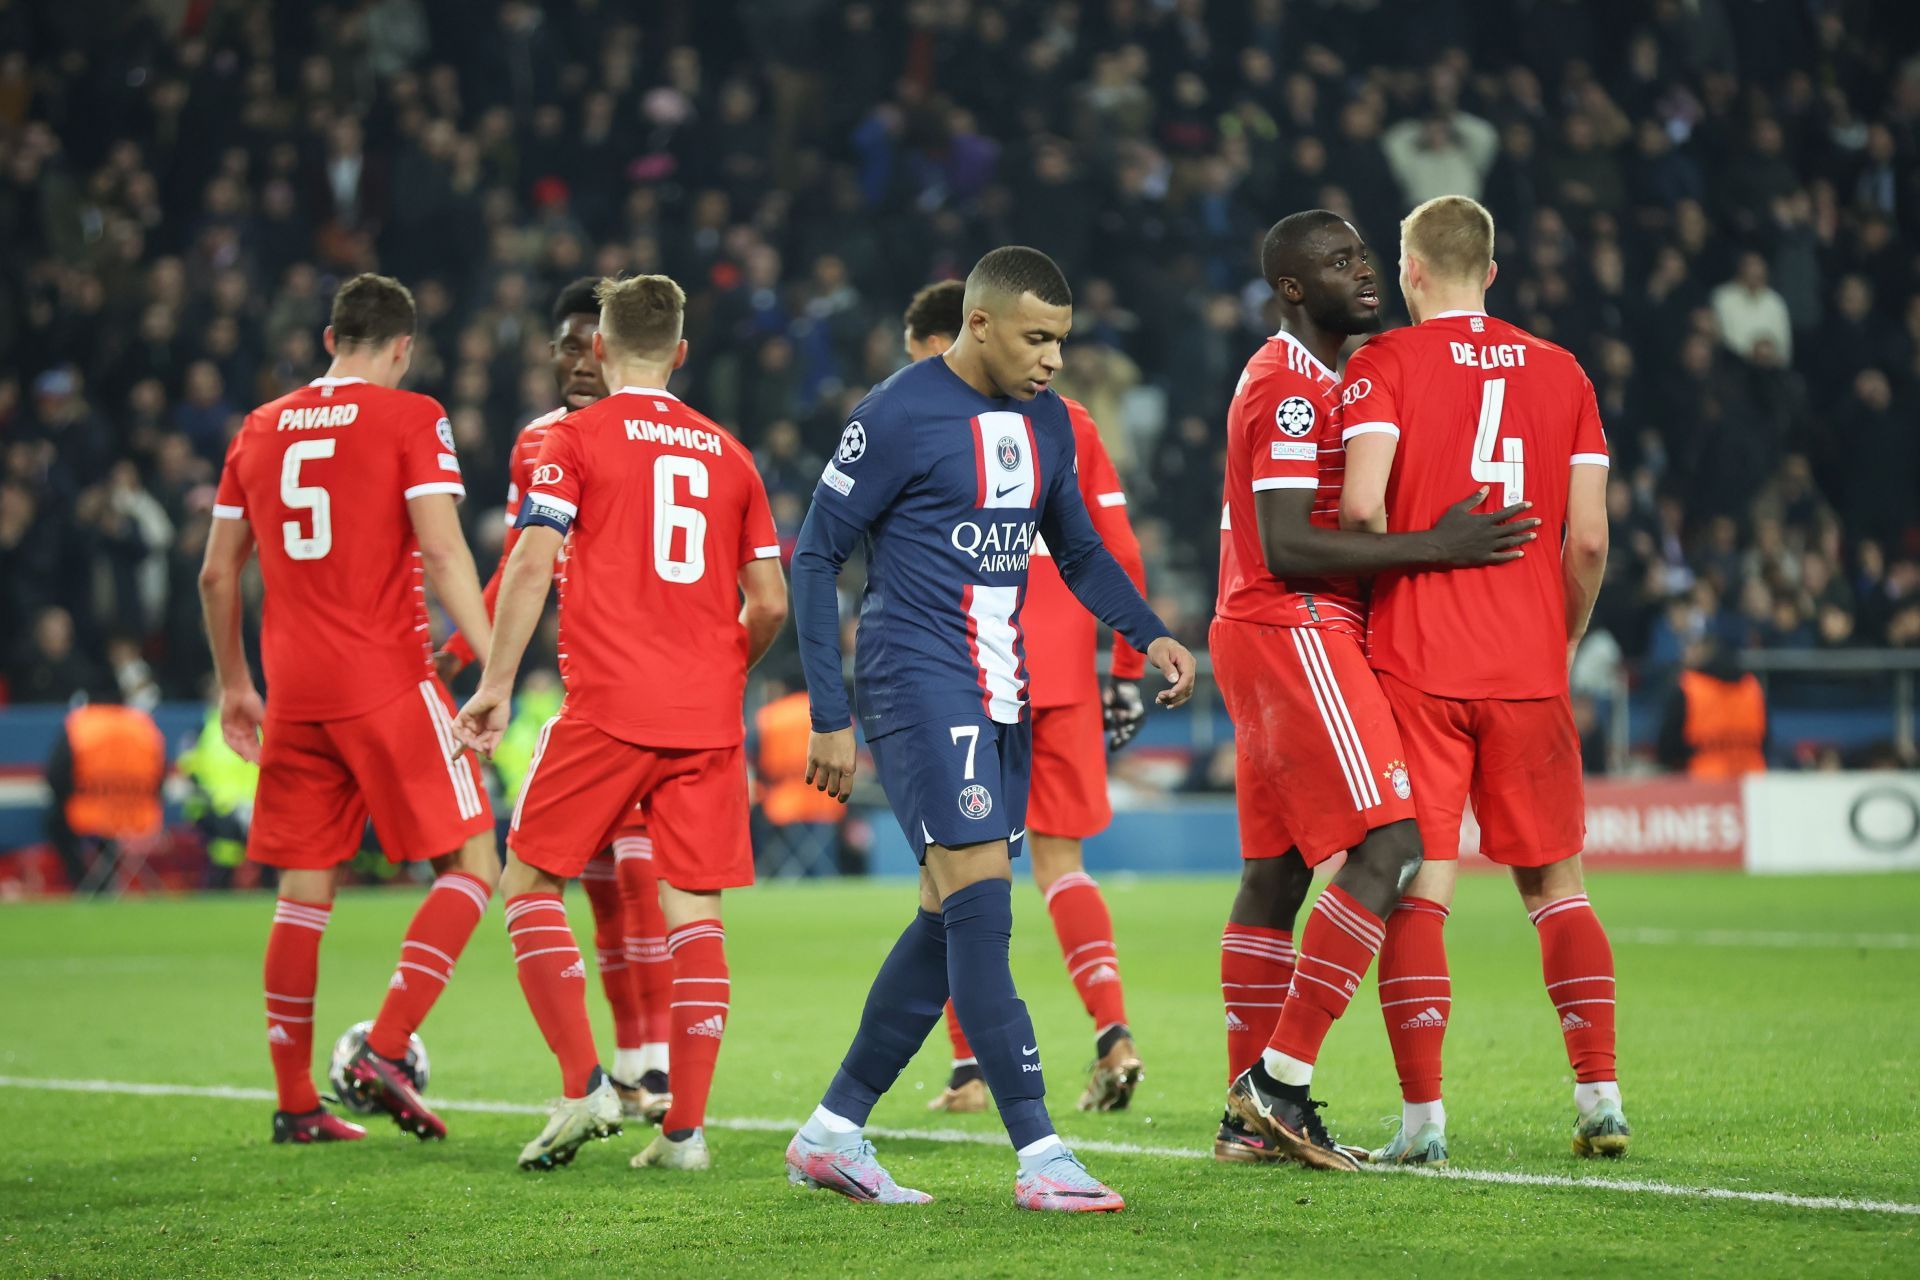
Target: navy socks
{"x":979,"y":928}
{"x":906,"y":1000}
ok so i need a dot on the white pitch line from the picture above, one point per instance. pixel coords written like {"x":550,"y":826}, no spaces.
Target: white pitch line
{"x":1769,"y":938}
{"x":236,"y":1093}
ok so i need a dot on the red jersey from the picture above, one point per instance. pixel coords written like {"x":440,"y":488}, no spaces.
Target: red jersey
{"x":1475,"y":401}
{"x":1283,"y":432}
{"x":323,"y":474}
{"x":1061,"y":634}
{"x":662,"y":508}
{"x":520,"y":463}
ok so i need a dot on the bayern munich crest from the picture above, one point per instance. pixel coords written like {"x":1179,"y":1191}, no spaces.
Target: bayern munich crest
{"x":976,"y":801}
{"x":1294,"y":417}
{"x":1009,"y":454}
{"x":1396,"y":774}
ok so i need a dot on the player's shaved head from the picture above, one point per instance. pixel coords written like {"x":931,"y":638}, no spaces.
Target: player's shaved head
{"x":937,"y":311}
{"x":372,"y":310}
{"x":641,"y":315}
{"x":581,"y":298}
{"x":1009,"y":273}
{"x":1452,"y":236}
{"x":1293,"y":243}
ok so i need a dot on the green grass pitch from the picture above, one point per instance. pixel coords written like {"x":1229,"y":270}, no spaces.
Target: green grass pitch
{"x":1770,"y":1042}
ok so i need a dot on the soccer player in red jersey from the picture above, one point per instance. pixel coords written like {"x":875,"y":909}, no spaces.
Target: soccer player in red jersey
{"x":667,"y":527}
{"x":349,"y":485}
{"x":1075,"y":722}
{"x":629,"y":933}
{"x":1319,"y":766}
{"x":1475,"y":663}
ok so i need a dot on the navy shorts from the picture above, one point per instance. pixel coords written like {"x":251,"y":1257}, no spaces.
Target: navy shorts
{"x":957,"y":782}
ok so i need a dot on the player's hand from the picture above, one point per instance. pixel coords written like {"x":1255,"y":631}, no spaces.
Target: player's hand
{"x":1464,"y":539}
{"x":1176,"y":664}
{"x":830,"y":762}
{"x":1125,"y":712}
{"x":483,"y":721}
{"x":241,"y":714}
{"x":447,"y":664}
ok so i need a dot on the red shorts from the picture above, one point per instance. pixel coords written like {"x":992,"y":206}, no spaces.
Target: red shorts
{"x":321,"y":779}
{"x":1519,"y":759}
{"x":581,"y":789}
{"x":1068,"y":796}
{"x":1317,"y":759}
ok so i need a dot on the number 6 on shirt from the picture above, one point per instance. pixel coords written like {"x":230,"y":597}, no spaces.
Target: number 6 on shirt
{"x":670,"y":517}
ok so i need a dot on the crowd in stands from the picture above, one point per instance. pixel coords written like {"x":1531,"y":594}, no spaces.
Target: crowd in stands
{"x":1714,"y":203}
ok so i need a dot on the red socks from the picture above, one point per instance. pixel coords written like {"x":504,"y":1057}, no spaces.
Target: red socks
{"x":291,"y":970}
{"x":1085,"y":930}
{"x":555,"y":983}
{"x":617,"y":976}
{"x":439,"y":932}
{"x":1336,"y":947}
{"x":1578,"y":964}
{"x":1416,"y":995}
{"x":1256,"y":967}
{"x":646,"y":938}
{"x":700,"y":1003}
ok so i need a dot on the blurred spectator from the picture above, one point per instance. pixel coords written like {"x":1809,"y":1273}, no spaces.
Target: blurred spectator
{"x":1715,"y":723}
{"x":1749,"y":312}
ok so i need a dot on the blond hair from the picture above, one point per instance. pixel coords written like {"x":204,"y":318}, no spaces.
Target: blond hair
{"x":641,"y":315}
{"x":1452,"y":235}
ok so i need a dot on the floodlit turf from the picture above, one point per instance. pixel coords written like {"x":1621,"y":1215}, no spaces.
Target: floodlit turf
{"x":1785,"y":1067}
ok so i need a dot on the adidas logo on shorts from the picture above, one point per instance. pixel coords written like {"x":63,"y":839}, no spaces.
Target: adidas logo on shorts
{"x":714,"y":1026}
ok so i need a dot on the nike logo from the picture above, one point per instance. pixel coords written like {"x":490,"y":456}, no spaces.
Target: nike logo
{"x":856,"y":1184}
{"x":1030,"y":1051}
{"x":1003,"y":491}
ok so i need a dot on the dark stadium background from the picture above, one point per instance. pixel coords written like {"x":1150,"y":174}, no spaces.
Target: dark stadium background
{"x":1715,"y":204}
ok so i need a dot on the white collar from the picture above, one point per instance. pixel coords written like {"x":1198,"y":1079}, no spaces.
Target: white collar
{"x":1284,"y":335}
{"x":645,"y":391}
{"x":334,"y":382}
{"x":1448,"y":315}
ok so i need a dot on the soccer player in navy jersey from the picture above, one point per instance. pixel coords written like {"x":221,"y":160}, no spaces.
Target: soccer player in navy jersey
{"x":945,"y":474}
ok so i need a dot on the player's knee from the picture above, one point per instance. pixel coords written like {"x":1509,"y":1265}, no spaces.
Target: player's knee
{"x":478,"y":858}
{"x":1272,"y":891}
{"x":1392,"y":852}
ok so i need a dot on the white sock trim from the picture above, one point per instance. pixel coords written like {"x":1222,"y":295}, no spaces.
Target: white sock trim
{"x":1413,"y":1115}
{"x":628,"y":1065}
{"x":1044,"y":1147}
{"x":653,"y":1057}
{"x":1286,"y":1069}
{"x":965,"y":1062}
{"x":1588,"y":1096}
{"x":834,"y":1123}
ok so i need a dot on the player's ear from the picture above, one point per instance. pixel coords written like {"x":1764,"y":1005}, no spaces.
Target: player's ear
{"x":1493,"y":269}
{"x":326,"y":340}
{"x":599,"y":346}
{"x":680,"y":354}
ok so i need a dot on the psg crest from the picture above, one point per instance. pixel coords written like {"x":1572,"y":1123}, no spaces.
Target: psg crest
{"x":1294,"y":417}
{"x":976,"y":801}
{"x":1009,"y":454}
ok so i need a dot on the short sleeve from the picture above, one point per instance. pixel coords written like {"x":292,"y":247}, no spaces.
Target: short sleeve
{"x":1284,"y":420}
{"x":1099,"y":480}
{"x":871,"y":464}
{"x":1368,"y":397}
{"x":759,"y":540}
{"x":229,"y":500}
{"x":429,"y":463}
{"x":1589,"y":437}
{"x":554,"y":487}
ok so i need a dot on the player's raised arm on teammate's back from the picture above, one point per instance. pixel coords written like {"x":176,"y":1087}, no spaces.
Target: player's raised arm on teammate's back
{"x":448,"y":562}
{"x":229,"y":545}
{"x":1098,"y":581}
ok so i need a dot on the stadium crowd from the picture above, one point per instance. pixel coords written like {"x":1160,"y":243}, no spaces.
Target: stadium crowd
{"x":1715,"y":204}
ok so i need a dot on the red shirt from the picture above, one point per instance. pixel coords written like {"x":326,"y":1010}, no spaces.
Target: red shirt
{"x":323,"y":474}
{"x":1061,"y":634}
{"x":1475,"y":401}
{"x":520,"y":462}
{"x":1283,"y":432}
{"x":663,"y":507}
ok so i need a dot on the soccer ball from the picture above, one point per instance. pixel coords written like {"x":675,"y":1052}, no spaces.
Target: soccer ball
{"x":349,"y":1044}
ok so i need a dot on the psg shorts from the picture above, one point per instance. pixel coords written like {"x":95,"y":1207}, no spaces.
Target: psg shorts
{"x":1519,"y":761}
{"x":1317,"y":759}
{"x":1069,"y":793}
{"x":581,"y":789}
{"x":321,"y":779}
{"x":957,"y":782}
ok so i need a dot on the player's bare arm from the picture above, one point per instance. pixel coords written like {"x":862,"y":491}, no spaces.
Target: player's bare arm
{"x":523,"y":595}
{"x":229,"y":547}
{"x":448,"y":562}
{"x":1462,"y":538}
{"x":1363,"y":499}
{"x":1583,"y":560}
{"x":763,"y":607}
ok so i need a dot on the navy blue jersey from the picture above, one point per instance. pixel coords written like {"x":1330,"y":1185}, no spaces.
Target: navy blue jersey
{"x":949,"y":489}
